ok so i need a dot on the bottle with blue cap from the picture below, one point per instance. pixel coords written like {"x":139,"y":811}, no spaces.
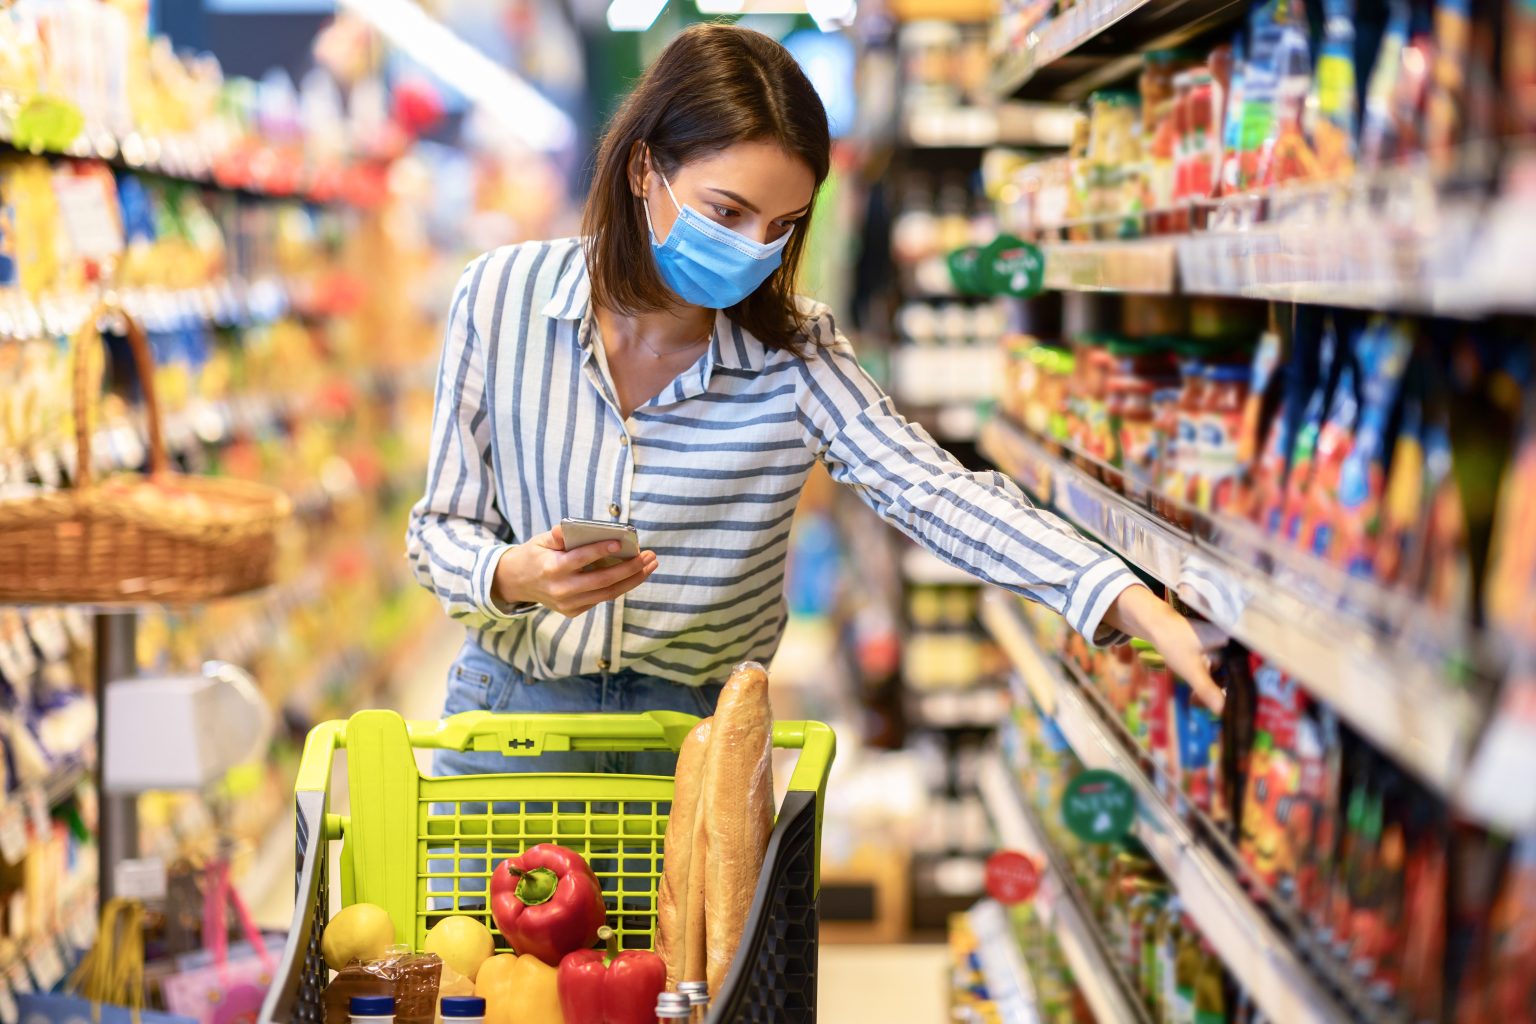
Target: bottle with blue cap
{"x":372,"y":1009}
{"x":462,"y":1010}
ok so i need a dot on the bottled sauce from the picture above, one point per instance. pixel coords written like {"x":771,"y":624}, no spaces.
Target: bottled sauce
{"x":462,"y":1010}
{"x":672,"y":1006}
{"x":1210,"y":989}
{"x":372,"y":1009}
{"x":1183,"y":482}
{"x":1220,"y":431}
{"x":698,"y":999}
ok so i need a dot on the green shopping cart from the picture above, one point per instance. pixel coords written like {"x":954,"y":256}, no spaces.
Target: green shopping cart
{"x":412,"y":843}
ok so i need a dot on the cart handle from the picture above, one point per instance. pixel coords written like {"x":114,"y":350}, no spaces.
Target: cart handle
{"x":530,"y":735}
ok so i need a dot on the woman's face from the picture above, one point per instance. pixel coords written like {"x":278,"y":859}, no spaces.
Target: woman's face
{"x":754,"y":188}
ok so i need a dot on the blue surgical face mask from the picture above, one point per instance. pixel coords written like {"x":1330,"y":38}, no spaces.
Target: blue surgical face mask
{"x":707,"y":264}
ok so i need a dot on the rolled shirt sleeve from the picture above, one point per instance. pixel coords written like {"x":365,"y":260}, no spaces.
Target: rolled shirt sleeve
{"x":976,"y":521}
{"x":456,"y":535}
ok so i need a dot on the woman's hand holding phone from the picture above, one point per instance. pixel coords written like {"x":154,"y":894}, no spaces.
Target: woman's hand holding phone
{"x":544,"y":572}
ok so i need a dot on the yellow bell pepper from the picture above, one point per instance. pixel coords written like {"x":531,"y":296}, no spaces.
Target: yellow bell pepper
{"x":519,"y":990}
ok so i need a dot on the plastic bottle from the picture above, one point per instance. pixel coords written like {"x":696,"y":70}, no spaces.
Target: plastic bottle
{"x":462,"y":1010}
{"x":372,"y":1009}
{"x":672,"y":1006}
{"x":698,"y":998}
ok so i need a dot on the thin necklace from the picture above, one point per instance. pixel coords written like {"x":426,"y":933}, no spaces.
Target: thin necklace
{"x":674,"y":352}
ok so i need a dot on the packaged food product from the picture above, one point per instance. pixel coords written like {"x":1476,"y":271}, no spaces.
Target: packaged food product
{"x":1424,"y":930}
{"x":1347,"y":537}
{"x":1273,"y":780}
{"x":1284,"y":518}
{"x":1231,"y":180}
{"x":1333,"y":124}
{"x":1220,"y":430}
{"x":1183,"y":483}
{"x":1379,"y":142}
{"x":1519,"y":66}
{"x":411,"y":978}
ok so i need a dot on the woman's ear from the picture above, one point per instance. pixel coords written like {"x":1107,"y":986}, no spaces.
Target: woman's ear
{"x":639,"y":167}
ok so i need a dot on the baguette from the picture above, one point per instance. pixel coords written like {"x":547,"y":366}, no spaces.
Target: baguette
{"x":678,"y":854}
{"x":737,"y":811}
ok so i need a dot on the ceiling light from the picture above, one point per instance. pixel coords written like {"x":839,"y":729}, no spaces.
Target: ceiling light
{"x":634,"y":15}
{"x":481,"y":81}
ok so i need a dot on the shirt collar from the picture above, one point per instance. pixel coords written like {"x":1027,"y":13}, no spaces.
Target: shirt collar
{"x":733,"y":347}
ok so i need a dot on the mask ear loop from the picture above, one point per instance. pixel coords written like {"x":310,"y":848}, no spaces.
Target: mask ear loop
{"x":645,"y":201}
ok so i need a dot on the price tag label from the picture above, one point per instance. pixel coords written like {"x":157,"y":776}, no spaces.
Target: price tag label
{"x":46,"y":463}
{"x":82,"y":930}
{"x":77,"y":624}
{"x":46,"y":965}
{"x":37,"y":807}
{"x":141,"y":879}
{"x":13,"y":832}
{"x":46,"y":626}
{"x":1099,"y":806}
{"x":89,"y":213}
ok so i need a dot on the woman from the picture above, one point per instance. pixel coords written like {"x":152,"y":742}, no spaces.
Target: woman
{"x":661,"y":372}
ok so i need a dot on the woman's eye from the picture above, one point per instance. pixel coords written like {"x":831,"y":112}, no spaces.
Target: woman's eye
{"x":723,"y":211}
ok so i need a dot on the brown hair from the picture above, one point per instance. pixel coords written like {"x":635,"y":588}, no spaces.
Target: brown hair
{"x":713,"y":86}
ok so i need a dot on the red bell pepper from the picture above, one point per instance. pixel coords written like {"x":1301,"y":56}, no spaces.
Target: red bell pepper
{"x":611,"y":987}
{"x":547,"y":902}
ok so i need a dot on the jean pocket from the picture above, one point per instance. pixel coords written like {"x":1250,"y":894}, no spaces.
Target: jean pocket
{"x":478,"y":681}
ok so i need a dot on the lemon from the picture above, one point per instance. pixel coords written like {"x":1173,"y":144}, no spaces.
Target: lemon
{"x":463,"y":944}
{"x":360,"y":932}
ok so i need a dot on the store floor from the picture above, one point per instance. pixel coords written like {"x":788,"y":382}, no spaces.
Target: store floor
{"x":858,"y":983}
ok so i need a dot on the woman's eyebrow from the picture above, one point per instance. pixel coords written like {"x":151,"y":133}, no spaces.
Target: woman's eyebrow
{"x":741,"y":200}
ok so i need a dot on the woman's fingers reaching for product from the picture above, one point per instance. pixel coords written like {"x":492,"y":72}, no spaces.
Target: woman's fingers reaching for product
{"x":1182,"y":643}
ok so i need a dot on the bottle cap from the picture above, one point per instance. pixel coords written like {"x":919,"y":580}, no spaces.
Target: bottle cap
{"x":696,"y":991}
{"x":457,"y":1007}
{"x":372,"y":1006}
{"x":672,"y":1006}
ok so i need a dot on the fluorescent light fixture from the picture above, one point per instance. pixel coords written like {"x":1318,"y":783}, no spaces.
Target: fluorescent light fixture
{"x":831,"y":15}
{"x":751,"y":6}
{"x":483,"y":82}
{"x":634,"y":15}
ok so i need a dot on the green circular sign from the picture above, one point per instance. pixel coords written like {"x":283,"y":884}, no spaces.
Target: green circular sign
{"x":1012,"y":266}
{"x":1098,"y":806}
{"x":965,"y":270}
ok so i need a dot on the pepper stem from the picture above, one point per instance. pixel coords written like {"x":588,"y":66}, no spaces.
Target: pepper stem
{"x":536,"y":886}
{"x":610,"y":938}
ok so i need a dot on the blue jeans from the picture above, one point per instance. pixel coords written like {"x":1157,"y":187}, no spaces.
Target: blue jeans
{"x":480,"y":681}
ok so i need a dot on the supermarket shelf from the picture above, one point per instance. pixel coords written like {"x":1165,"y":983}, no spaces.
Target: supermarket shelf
{"x":1098,"y":42}
{"x":1002,"y":964}
{"x":1398,"y":240}
{"x":1011,"y":124}
{"x":1398,"y":673}
{"x":1142,"y":265}
{"x":1059,"y":903}
{"x":1258,"y":954}
{"x":188,"y":162}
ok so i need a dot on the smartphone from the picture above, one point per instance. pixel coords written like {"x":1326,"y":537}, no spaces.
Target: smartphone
{"x":581,"y":532}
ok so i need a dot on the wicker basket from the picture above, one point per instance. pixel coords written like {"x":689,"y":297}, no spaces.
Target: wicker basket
{"x":131,"y":539}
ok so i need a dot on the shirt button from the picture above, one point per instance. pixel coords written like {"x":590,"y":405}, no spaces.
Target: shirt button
{"x":613,"y":510}
{"x":602,"y":664}
{"x":623,"y":440}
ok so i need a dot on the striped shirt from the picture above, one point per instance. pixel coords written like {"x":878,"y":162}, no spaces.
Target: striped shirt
{"x":527,"y":431}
